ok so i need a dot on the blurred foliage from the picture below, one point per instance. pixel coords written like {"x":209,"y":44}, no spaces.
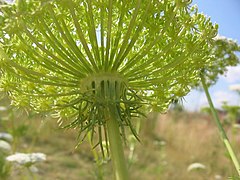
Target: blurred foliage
{"x":206,"y":110}
{"x":226,"y":54}
{"x":4,"y":167}
{"x":233,"y":113}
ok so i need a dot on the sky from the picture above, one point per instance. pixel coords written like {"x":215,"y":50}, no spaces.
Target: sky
{"x":226,"y":13}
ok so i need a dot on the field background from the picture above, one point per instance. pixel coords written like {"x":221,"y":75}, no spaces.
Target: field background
{"x":169,"y":144}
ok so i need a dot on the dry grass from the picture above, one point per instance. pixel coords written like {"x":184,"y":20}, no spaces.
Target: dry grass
{"x":194,"y":138}
{"x":189,"y":138}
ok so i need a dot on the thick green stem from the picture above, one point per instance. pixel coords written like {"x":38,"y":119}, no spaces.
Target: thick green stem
{"x":220,"y":128}
{"x":116,"y":147}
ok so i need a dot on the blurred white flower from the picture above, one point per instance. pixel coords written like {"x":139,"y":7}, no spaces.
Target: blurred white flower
{"x":237,"y":126}
{"x":33,"y":169}
{"x":195,"y":166}
{"x":235,"y":87}
{"x":26,"y":159}
{"x":6,"y":136}
{"x":3,"y":108}
{"x":161,"y":143}
{"x":5,"y":146}
{"x":218,"y":177}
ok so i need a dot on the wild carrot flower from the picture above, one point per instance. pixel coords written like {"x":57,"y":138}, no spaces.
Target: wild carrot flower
{"x":6,"y":136}
{"x":225,"y":51}
{"x":5,"y":146}
{"x":3,"y":108}
{"x":195,"y":166}
{"x":91,"y":61}
{"x":76,"y":57}
{"x":26,"y":159}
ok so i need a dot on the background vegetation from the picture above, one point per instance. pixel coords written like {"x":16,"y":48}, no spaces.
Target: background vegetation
{"x":178,"y":140}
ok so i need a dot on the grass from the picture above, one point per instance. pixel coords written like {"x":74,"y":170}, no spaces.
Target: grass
{"x":188,"y":138}
{"x":193,"y":139}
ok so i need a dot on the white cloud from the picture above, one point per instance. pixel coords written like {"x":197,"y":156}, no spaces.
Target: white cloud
{"x":219,"y":37}
{"x":233,"y":75}
{"x":235,"y":87}
{"x":224,"y":96}
{"x":218,"y":97}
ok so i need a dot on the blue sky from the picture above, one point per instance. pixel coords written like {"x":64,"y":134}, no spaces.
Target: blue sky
{"x":226,"y":13}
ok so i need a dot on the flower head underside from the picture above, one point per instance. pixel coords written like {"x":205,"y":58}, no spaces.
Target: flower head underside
{"x":77,"y":57}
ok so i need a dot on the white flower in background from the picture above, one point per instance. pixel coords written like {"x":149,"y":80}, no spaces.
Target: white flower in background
{"x":218,"y":177}
{"x":5,"y":146}
{"x":237,"y":126}
{"x":195,"y":166}
{"x":33,"y":169}
{"x":3,"y":108}
{"x":6,"y":136}
{"x":235,"y":87}
{"x":26,"y":159}
{"x":161,"y":142}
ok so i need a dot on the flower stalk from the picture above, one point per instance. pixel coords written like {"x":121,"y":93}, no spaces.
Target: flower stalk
{"x":98,"y":161}
{"x":222,"y":132}
{"x":116,"y":147}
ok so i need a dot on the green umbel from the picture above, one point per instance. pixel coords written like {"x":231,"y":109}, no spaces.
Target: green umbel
{"x":76,"y":58}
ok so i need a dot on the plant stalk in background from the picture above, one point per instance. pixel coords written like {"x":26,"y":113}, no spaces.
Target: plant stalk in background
{"x":223,"y":135}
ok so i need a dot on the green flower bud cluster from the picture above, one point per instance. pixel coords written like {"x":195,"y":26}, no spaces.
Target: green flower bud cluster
{"x":77,"y":57}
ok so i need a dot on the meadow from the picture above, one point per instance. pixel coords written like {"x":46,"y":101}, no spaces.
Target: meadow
{"x":169,"y":144}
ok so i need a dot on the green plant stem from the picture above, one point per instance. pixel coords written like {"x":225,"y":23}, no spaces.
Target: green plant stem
{"x":133,"y":143}
{"x":14,"y":131}
{"x":116,"y":148}
{"x":32,"y":176}
{"x":96,"y":158}
{"x":220,"y":128}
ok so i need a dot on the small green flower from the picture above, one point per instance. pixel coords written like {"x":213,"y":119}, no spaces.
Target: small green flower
{"x":77,"y":58}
